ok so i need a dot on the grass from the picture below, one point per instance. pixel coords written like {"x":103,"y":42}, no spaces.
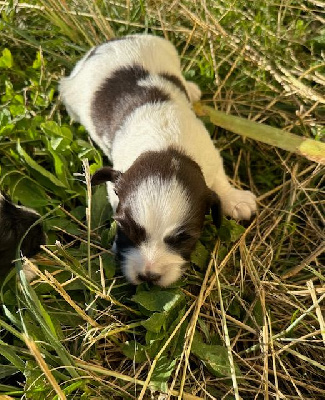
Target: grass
{"x":246,"y":321}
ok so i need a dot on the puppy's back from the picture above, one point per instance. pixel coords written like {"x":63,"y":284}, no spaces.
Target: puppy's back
{"x":129,"y":61}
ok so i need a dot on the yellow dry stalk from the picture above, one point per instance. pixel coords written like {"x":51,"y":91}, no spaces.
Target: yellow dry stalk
{"x":44,"y":367}
{"x":49,"y":278}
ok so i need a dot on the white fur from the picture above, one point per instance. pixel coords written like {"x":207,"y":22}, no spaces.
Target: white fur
{"x":168,"y":264}
{"x":157,"y":197}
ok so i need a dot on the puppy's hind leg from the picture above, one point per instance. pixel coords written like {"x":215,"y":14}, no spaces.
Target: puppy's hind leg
{"x":238,"y":204}
{"x":193,"y":91}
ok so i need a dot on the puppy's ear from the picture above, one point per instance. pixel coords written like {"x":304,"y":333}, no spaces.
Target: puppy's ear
{"x":215,"y":207}
{"x":103,"y":175}
{"x":32,"y":242}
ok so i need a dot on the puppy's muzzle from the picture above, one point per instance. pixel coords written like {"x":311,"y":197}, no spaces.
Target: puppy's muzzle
{"x":149,"y":277}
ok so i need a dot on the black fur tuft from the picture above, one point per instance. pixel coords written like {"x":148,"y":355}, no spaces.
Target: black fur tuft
{"x":14,"y":223}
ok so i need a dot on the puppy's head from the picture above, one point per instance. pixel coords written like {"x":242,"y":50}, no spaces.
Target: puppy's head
{"x":14,"y":222}
{"x":163,"y":199}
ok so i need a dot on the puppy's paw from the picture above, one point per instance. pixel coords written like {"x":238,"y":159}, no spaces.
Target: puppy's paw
{"x":239,"y":204}
{"x":193,"y":91}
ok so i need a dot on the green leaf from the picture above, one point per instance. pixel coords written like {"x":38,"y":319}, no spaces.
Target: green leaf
{"x":158,"y":299}
{"x":214,"y":357}
{"x":29,"y":193}
{"x":35,"y":166}
{"x":39,"y":61}
{"x":155,"y":322}
{"x":6,"y":130}
{"x":7,"y":388}
{"x":161,"y":374}
{"x":101,"y":210}
{"x":109,"y":265}
{"x":60,"y":164}
{"x":64,"y":224}
{"x":134,"y":351}
{"x":230,"y":231}
{"x":153,"y":337}
{"x":200,"y":256}
{"x":59,"y":144}
{"x":72,"y":388}
{"x":17,"y":109}
{"x":234,"y":308}
{"x":52,"y":129}
{"x":107,"y":235}
{"x":204,"y":328}
{"x":6,"y":60}
{"x":36,"y":385}
{"x":177,"y":345}
{"x":46,"y":328}
{"x":258,"y":313}
{"x":10,"y":354}
{"x":4,"y":117}
{"x":321,"y":38}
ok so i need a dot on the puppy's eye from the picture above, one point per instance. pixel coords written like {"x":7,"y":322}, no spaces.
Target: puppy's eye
{"x":131,"y":232}
{"x":123,"y":239}
{"x":178,"y":239}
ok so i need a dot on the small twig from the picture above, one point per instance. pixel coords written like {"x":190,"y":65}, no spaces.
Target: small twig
{"x":290,"y":327}
{"x":291,"y":379}
{"x":88,"y":212}
{"x":319,"y":314}
{"x":302,"y":357}
{"x":294,"y":341}
{"x":76,"y":220}
{"x":95,"y":246}
{"x":126,"y":378}
{"x":295,"y":270}
{"x":266,"y":345}
{"x":226,"y":337}
{"x":102,"y":276}
{"x":192,"y":325}
{"x":233,"y":320}
{"x":276,"y":381}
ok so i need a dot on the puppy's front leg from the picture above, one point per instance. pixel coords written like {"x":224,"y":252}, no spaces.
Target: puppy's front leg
{"x":238,"y":204}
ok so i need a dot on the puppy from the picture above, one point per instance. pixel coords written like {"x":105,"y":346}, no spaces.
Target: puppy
{"x":14,"y":223}
{"x":130,"y":95}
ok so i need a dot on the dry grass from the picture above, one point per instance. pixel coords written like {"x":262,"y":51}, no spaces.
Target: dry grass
{"x":262,"y":297}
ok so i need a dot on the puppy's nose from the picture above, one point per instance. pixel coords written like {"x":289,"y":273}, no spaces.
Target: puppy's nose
{"x":149,"y":277}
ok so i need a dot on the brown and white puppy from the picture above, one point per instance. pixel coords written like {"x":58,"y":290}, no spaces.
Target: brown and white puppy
{"x":14,"y":223}
{"x":133,"y":100}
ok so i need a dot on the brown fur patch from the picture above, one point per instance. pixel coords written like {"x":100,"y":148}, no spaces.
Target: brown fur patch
{"x":175,"y":81}
{"x":119,"y":96}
